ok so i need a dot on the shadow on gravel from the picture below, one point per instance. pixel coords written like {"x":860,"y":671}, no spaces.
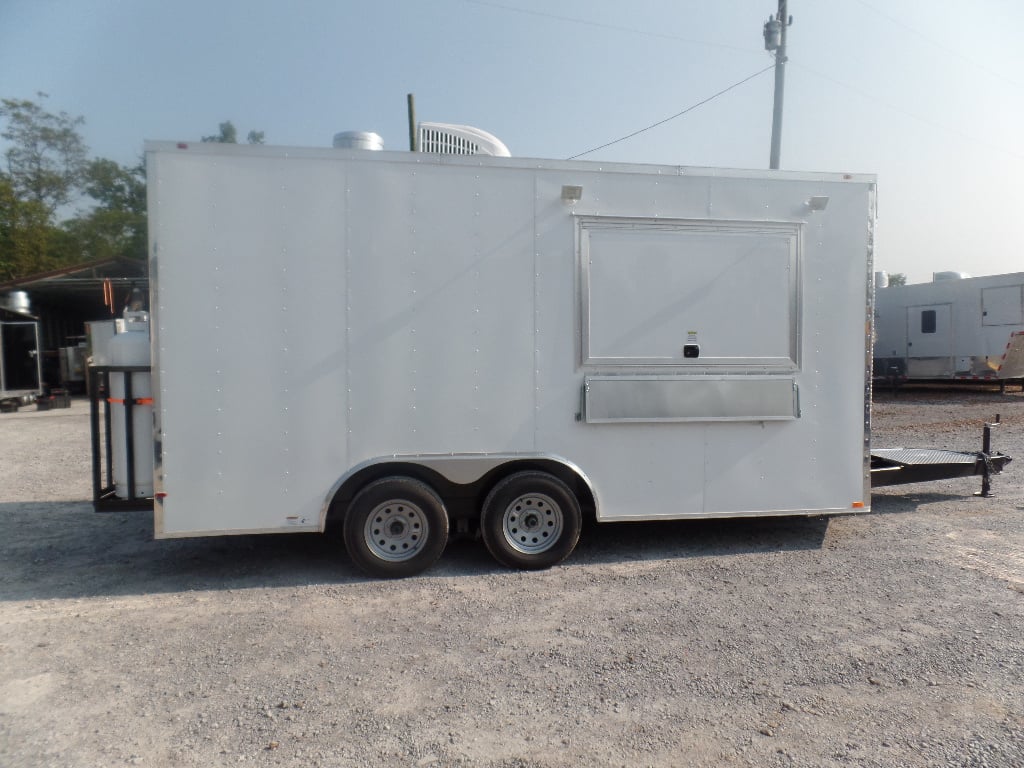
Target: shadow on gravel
{"x":891,"y":501}
{"x":614,"y":542}
{"x":65,"y":550}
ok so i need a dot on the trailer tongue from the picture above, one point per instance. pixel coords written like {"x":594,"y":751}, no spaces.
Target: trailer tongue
{"x":898,"y":466}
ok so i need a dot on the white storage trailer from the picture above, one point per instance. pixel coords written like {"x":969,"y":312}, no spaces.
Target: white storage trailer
{"x":411,"y":343}
{"x":952,"y":329}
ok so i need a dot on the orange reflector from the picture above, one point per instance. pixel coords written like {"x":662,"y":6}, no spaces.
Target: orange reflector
{"x":858,"y":505}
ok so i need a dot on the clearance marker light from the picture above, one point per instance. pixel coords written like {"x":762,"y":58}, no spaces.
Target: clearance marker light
{"x":858,"y":505}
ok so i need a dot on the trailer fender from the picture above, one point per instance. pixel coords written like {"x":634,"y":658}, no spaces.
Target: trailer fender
{"x":468,"y":477}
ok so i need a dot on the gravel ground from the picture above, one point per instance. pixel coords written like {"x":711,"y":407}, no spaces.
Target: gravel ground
{"x":885,"y":639}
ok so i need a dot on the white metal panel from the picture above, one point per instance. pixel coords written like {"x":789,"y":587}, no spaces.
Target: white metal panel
{"x":652,"y":287}
{"x":250,"y":333}
{"x":1002,"y":305}
{"x":812,"y":462}
{"x":441,"y":311}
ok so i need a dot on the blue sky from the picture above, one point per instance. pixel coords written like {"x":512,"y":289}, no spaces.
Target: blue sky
{"x":927,"y":94}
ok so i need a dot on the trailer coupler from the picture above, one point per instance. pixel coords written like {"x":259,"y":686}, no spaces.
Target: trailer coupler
{"x":898,"y":466}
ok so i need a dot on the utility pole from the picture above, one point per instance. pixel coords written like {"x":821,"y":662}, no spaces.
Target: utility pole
{"x":775,"y":40}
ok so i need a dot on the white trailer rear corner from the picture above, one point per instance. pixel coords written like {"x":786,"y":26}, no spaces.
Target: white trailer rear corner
{"x":410,"y":345}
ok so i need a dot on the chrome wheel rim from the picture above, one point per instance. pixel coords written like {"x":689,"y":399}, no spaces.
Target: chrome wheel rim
{"x":532,"y":523}
{"x":396,"y":530}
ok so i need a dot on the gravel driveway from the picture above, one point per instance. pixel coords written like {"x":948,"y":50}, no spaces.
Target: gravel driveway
{"x":885,"y":639}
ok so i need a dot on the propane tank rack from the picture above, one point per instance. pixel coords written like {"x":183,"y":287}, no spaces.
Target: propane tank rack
{"x":104,"y":485}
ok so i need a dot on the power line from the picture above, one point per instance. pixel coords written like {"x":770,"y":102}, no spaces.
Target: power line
{"x":600,"y":25}
{"x":632,"y":30}
{"x":859,"y":91}
{"x":678,"y":114}
{"x":937,"y":44}
{"x":894,"y":108}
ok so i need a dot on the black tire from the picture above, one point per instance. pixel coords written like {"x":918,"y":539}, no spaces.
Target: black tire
{"x":395,"y":527}
{"x":531,"y":520}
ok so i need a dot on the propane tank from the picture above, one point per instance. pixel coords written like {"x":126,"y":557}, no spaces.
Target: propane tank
{"x":131,"y":348}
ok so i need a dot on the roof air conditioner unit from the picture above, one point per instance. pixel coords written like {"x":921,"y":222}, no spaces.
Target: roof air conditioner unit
{"x":445,"y":139}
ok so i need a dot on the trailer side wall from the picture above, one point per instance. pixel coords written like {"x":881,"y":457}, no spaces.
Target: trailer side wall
{"x":320,"y":310}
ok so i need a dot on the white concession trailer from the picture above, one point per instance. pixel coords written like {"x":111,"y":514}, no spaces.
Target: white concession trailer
{"x":409,"y":344}
{"x":952,"y":329}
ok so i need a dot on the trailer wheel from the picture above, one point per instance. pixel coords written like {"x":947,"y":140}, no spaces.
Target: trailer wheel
{"x":531,"y":520}
{"x":395,"y":527}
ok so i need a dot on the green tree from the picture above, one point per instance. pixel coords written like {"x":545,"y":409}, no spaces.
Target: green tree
{"x":25,"y":234}
{"x":228,"y":134}
{"x":897,"y":279}
{"x":47,"y":172}
{"x":116,"y":226}
{"x":116,"y":187}
{"x":47,"y":154}
{"x":45,"y":162}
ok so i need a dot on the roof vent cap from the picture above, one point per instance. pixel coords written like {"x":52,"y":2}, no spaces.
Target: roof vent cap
{"x":938,"y":277}
{"x":358,"y":140}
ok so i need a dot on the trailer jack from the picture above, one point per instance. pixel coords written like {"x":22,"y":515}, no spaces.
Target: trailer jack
{"x":986,"y":455}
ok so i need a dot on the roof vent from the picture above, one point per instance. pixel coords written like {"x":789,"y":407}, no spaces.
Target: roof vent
{"x":445,"y":139}
{"x":940,"y":276}
{"x":358,"y":140}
